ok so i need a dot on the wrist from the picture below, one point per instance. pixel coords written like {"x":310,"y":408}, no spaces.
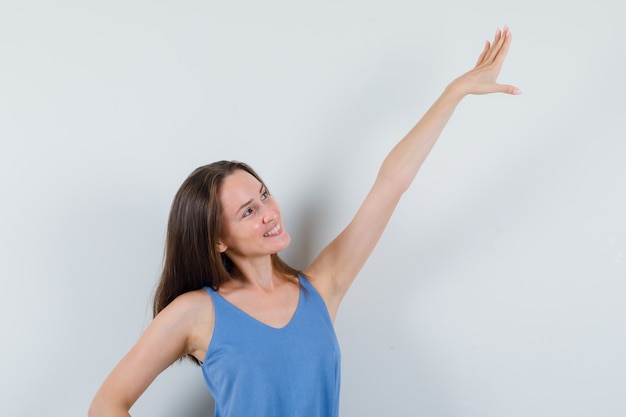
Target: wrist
{"x":455,"y":91}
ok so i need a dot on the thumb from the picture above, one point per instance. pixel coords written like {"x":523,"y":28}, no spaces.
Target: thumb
{"x":508,"y":89}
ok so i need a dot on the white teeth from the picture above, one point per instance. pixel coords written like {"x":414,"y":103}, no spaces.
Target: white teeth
{"x":273,"y":231}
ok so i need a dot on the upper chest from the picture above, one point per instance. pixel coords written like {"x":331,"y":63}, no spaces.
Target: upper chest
{"x":273,"y":308}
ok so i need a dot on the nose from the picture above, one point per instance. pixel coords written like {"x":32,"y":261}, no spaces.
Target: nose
{"x":269,"y":215}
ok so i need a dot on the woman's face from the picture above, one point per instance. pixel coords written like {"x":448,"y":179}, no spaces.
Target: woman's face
{"x":251,"y":218}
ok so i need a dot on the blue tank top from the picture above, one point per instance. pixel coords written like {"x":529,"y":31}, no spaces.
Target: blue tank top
{"x":253,"y":369}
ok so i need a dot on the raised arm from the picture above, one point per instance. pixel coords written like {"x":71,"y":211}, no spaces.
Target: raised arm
{"x":337,"y":265}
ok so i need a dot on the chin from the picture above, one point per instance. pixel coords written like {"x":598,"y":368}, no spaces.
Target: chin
{"x":286,"y":240}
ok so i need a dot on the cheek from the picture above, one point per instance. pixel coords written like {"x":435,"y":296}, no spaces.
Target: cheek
{"x":240,"y":232}
{"x":228,"y":231}
{"x":275,"y":206}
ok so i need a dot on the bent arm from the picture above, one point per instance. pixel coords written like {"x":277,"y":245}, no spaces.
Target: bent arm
{"x":338,"y":264}
{"x":169,"y":337}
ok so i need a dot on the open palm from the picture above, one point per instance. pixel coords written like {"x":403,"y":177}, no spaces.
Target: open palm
{"x":482,"y":79}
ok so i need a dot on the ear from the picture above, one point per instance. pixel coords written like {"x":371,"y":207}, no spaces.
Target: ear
{"x":221,"y":247}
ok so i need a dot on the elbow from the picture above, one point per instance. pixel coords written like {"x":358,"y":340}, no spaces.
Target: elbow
{"x":97,"y":408}
{"x":93,"y":410}
{"x":397,"y":178}
{"x":393,"y":184}
{"x":101,"y":408}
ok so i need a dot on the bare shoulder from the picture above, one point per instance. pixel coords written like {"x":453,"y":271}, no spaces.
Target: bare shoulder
{"x":317,"y":277}
{"x":323,"y":284}
{"x":187,"y":309}
{"x":191,"y":301}
{"x":193,"y":310}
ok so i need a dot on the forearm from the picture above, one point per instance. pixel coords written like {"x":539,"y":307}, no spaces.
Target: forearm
{"x":404,"y":161}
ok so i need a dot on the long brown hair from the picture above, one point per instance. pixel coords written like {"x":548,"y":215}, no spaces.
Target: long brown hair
{"x":192,"y":260}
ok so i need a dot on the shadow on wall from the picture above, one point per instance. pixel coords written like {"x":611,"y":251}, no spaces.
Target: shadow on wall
{"x":179,"y":391}
{"x":202,"y":405}
{"x":304,"y":227}
{"x":194,"y":401}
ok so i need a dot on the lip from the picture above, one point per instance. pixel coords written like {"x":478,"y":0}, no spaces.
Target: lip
{"x":274,"y":231}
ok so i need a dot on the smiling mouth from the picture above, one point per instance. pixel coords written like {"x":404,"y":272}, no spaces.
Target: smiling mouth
{"x":275,"y":231}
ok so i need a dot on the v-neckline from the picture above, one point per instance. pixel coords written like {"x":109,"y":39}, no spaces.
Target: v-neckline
{"x":254,"y":319}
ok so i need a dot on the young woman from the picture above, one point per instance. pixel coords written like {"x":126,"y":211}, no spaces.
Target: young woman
{"x":261,"y":331}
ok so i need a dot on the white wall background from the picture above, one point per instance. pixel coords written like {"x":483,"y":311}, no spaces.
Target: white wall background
{"x":499,"y":286}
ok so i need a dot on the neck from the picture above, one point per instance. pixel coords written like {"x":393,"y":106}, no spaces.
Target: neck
{"x":257,"y":272}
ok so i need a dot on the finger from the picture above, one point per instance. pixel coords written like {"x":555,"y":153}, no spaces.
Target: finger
{"x":483,"y":54}
{"x":496,"y":45}
{"x":497,"y":36}
{"x":508,"y":89}
{"x":504,"y":49}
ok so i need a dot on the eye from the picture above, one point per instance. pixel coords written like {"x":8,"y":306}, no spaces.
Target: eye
{"x":247,"y":212}
{"x":265,"y":194}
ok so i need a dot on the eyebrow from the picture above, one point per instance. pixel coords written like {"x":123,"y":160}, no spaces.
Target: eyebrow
{"x":250,"y":201}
